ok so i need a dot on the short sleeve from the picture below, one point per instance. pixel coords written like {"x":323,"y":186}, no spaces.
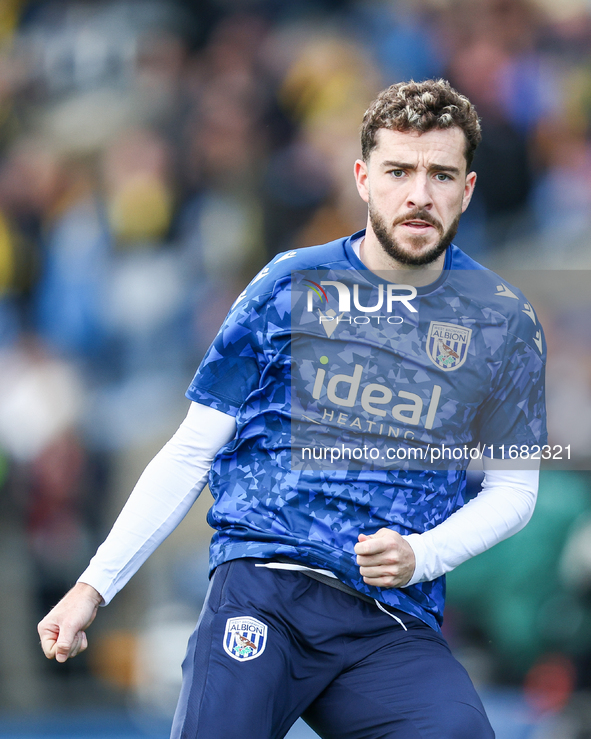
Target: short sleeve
{"x":231,"y":368}
{"x":515,"y":411}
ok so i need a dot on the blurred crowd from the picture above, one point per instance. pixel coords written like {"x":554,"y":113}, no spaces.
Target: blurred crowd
{"x":155,"y":154}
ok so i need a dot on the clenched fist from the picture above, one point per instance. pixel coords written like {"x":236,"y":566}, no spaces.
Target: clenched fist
{"x":385,"y":559}
{"x":62,"y":630}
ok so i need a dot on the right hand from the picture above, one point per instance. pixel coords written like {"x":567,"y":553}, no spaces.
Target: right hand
{"x":385,"y":559}
{"x":62,"y":630}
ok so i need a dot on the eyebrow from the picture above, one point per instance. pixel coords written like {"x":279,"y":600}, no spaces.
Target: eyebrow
{"x":432,"y":168}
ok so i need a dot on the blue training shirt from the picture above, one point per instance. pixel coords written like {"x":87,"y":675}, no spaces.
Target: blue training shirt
{"x":358,"y":403}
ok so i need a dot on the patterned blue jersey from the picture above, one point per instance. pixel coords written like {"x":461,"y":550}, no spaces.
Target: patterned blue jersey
{"x":358,"y":403}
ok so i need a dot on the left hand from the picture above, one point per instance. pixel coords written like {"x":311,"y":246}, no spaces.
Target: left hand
{"x":385,"y":559}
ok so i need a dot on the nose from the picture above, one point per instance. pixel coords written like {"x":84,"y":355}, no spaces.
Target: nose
{"x":419,"y":193}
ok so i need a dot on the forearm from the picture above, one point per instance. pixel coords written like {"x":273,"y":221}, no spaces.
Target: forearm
{"x":502,"y":508}
{"x":165,"y":492}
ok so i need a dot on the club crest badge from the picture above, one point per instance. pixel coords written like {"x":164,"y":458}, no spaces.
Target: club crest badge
{"x":447,"y":345}
{"x":245,"y":638}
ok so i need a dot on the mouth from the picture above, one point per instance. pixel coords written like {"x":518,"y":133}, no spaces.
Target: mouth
{"x":417,"y":226}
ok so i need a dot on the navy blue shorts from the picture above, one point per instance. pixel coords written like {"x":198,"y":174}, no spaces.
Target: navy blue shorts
{"x":273,"y":645}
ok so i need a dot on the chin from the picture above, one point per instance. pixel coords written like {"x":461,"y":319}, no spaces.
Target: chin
{"x":419,"y":246}
{"x":419,"y":250}
{"x":413,"y":254}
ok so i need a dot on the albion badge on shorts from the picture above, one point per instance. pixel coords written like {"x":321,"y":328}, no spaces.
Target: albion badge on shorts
{"x":245,"y":638}
{"x":447,"y":344}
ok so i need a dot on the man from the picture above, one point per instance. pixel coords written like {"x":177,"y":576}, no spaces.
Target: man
{"x":328,"y":562}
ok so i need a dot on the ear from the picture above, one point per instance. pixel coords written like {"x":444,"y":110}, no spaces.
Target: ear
{"x":468,"y":190}
{"x":362,"y":180}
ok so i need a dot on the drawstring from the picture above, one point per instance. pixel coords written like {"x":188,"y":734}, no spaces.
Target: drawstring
{"x":303,"y":568}
{"x":381,"y":607}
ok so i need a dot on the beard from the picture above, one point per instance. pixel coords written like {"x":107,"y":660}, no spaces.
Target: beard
{"x":405,"y":255}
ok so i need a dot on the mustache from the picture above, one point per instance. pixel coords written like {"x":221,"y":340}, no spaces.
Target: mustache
{"x":419,"y":214}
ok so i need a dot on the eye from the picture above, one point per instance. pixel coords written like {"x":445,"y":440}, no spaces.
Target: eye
{"x":397,"y":173}
{"x":442,"y":177}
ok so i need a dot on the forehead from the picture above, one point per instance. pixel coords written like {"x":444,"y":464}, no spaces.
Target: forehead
{"x":445,"y":146}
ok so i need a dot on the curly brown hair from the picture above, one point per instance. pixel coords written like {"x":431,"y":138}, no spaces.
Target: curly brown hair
{"x":420,"y":106}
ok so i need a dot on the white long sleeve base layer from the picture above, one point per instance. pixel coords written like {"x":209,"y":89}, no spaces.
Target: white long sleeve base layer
{"x":502,"y":508}
{"x":172,"y":481}
{"x":162,"y":497}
